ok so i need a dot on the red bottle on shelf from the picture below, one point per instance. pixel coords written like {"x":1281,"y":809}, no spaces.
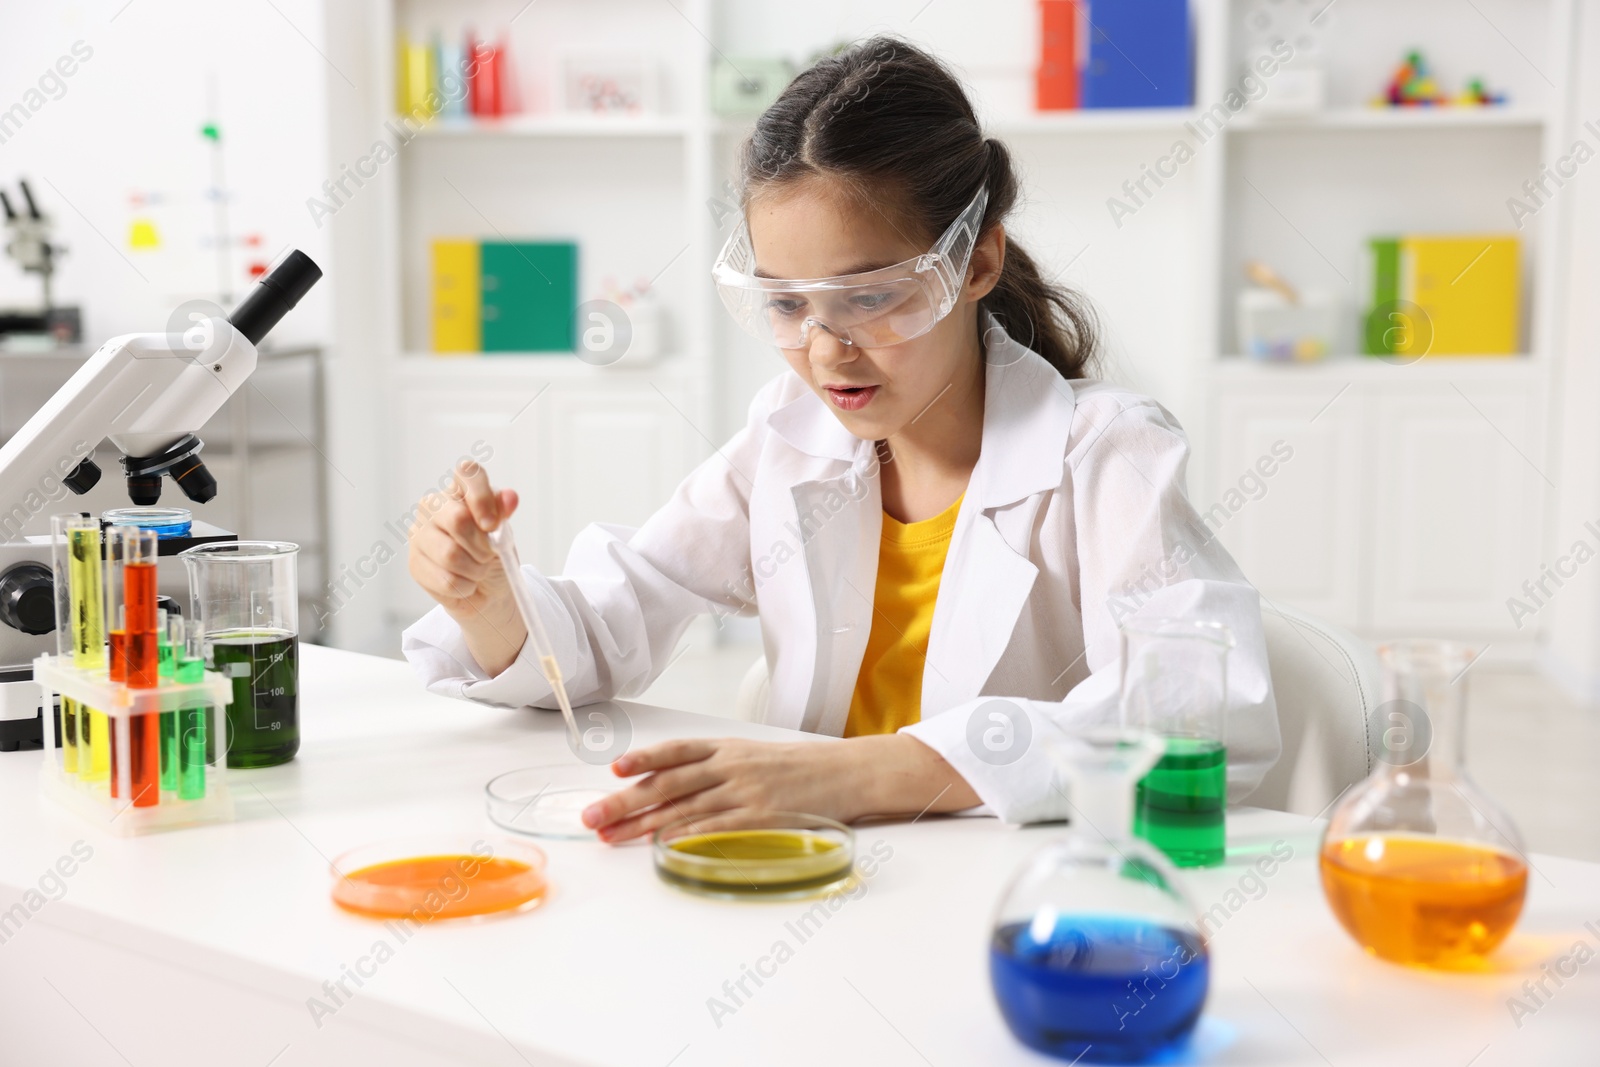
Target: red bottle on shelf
{"x":485,"y":78}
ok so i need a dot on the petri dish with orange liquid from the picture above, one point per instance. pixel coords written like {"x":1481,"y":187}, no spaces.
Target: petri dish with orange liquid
{"x":446,"y":877}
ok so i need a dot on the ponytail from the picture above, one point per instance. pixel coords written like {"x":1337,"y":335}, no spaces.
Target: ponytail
{"x":886,"y":115}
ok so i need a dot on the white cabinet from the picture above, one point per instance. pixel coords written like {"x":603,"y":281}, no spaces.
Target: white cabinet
{"x":1455,"y":508}
{"x":1296,"y":531}
{"x":615,"y":458}
{"x":1410,"y":504}
{"x":576,"y":452}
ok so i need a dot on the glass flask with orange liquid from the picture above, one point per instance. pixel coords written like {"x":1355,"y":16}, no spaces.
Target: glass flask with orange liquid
{"x":1418,"y":864}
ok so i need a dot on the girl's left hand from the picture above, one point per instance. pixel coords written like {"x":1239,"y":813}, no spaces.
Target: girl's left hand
{"x":705,"y":776}
{"x":844,"y":780}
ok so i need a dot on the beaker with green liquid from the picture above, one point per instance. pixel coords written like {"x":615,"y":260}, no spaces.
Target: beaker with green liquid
{"x":245,"y":596}
{"x":1175,"y":684}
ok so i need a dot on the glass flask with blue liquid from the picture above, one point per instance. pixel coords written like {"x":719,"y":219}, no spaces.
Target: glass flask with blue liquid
{"x":1096,"y":953}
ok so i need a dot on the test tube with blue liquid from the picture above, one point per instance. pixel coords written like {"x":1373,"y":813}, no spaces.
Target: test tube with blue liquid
{"x":1096,"y":952}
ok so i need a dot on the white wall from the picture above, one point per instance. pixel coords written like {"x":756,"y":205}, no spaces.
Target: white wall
{"x":129,"y":119}
{"x":1572,"y":652}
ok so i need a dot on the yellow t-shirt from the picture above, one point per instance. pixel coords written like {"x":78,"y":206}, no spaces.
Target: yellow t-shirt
{"x":910,"y":561}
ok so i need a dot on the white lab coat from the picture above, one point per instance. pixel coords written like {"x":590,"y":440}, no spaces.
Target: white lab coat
{"x":1075,"y":518}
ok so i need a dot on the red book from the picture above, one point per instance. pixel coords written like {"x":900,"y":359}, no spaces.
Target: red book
{"x":483,"y":79}
{"x":1056,"y":80}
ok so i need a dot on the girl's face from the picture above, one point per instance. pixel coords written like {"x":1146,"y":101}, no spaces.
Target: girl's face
{"x":814,"y":229}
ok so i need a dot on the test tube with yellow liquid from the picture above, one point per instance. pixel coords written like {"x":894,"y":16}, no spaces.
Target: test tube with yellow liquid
{"x":85,"y":732}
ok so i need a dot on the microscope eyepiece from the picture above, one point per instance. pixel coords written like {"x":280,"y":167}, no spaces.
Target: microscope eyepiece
{"x":274,"y":294}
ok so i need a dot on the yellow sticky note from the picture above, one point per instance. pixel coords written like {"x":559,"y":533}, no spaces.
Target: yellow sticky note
{"x":143,"y":235}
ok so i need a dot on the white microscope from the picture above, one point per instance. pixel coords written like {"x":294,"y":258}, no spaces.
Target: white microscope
{"x":150,"y":393}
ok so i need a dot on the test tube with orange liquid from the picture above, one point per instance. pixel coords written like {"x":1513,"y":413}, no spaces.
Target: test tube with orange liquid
{"x":1419,"y":865}
{"x":141,"y":622}
{"x":116,"y":540}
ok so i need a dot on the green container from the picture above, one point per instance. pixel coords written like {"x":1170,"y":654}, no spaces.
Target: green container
{"x":1180,"y":804}
{"x":746,"y":87}
{"x":1377,"y":329}
{"x":245,"y":602}
{"x":529,"y":296}
{"x":264,"y":717}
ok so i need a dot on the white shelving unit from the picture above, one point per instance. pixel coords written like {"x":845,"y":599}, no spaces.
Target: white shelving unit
{"x":1419,"y":492}
{"x":646,"y":195}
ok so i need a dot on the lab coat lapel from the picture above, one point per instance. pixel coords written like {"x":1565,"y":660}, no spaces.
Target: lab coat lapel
{"x":988,"y":576}
{"x":841,"y":520}
{"x":837,"y":520}
{"x":985,"y":584}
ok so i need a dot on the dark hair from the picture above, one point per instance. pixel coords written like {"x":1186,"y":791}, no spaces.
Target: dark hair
{"x":886,"y":116}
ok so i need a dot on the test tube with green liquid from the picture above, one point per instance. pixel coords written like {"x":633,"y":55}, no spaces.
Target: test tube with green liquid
{"x":168,"y":627}
{"x":190,"y":669}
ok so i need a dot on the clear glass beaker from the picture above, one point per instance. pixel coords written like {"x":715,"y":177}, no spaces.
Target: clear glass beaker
{"x":245,"y":595}
{"x":1175,"y":685}
{"x":1418,"y":863}
{"x":1096,"y":951}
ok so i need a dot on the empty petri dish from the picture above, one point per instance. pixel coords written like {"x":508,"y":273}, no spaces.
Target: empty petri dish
{"x":448,"y":877}
{"x":548,"y":801}
{"x":781,"y":855}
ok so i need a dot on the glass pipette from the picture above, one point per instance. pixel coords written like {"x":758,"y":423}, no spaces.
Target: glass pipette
{"x":505,"y":546}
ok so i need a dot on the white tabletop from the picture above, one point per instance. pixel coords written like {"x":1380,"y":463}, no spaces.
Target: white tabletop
{"x":205,"y":945}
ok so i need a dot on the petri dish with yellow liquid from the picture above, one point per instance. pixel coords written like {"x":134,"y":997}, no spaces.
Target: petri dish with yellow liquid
{"x":768,"y":856}
{"x":442,"y":877}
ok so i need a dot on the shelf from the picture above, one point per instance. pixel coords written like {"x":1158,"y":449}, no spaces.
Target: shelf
{"x":1387,"y":118}
{"x":1094,"y":120}
{"x":1085,"y":121}
{"x":1381,"y":369}
{"x":427,"y":366}
{"x":560,"y":126}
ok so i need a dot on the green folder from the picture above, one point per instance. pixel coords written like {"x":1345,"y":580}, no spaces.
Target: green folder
{"x":1385,"y":291}
{"x":530,"y":294}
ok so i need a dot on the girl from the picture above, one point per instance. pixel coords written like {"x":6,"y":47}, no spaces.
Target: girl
{"x":938,"y":517}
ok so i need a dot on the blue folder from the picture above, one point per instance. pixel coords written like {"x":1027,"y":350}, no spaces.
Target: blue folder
{"x":1141,"y":54}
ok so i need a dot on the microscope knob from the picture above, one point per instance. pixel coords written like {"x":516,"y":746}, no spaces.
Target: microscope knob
{"x":28,"y":599}
{"x":83,"y":477}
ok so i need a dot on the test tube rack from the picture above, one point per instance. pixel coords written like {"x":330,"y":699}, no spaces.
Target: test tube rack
{"x":91,"y":798}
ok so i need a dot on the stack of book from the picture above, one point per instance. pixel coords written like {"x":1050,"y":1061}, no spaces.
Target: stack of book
{"x":502,"y":296}
{"x":1438,"y":295}
{"x":1115,"y":53}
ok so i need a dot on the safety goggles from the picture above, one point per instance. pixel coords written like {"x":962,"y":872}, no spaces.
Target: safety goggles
{"x":874,"y":308}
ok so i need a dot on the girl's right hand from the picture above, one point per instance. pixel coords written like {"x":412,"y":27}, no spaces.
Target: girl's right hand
{"x":451,"y":559}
